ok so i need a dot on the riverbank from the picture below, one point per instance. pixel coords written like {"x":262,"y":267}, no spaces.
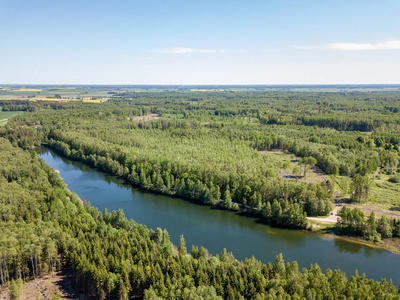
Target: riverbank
{"x":216,"y":229}
{"x":391,"y":244}
{"x":317,"y":225}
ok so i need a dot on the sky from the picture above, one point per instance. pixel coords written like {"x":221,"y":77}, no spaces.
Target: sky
{"x":199,"y":42}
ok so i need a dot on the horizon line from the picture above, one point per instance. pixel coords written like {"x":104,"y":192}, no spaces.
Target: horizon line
{"x":203,"y":84}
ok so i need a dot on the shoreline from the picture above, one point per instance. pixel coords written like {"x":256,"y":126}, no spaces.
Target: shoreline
{"x":321,"y":231}
{"x":358,"y":240}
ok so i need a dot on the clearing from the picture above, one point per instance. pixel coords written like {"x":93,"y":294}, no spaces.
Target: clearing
{"x":384,"y":197}
{"x":48,"y":287}
{"x":145,"y":118}
{"x":5,"y":115}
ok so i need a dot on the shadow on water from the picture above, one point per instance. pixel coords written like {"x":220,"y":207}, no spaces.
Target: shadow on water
{"x":344,"y":246}
{"x":216,"y":229}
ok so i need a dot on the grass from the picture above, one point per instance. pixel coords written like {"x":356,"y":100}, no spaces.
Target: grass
{"x":7,"y":115}
{"x":385,"y":192}
{"x":28,"y":90}
{"x":84,"y":99}
{"x":47,"y":94}
{"x":280,"y":157}
{"x":321,"y":227}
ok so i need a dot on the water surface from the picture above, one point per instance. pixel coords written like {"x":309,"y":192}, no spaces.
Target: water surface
{"x":217,"y":229}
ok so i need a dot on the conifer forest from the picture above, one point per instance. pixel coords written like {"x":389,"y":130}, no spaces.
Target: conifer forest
{"x":290,"y":158}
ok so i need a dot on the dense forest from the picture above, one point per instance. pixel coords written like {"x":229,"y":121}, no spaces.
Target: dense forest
{"x":44,"y":226}
{"x":210,"y":148}
{"x":345,"y":134}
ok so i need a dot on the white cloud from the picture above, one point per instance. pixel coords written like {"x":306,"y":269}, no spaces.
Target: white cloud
{"x":388,"y":45}
{"x":190,"y":50}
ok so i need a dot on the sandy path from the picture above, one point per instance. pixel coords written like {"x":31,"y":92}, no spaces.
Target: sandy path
{"x":332,"y":218}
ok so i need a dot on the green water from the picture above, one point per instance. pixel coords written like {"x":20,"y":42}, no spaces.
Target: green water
{"x":217,"y":229}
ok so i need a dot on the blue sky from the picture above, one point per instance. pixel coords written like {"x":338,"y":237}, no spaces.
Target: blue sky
{"x":199,"y":42}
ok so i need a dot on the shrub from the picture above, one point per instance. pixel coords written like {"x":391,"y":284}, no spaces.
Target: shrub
{"x":395,"y":178}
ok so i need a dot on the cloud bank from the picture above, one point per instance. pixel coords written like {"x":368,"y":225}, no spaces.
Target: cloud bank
{"x":387,"y":45}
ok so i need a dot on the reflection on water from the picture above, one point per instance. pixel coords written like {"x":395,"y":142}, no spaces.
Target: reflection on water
{"x":217,"y":229}
{"x":345,"y":246}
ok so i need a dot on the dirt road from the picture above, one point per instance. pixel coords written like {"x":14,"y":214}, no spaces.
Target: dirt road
{"x":332,"y":218}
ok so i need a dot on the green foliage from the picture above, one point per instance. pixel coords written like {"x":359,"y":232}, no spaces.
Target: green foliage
{"x":204,"y":148}
{"x":111,"y":257}
{"x":15,"y":291}
{"x":395,"y":178}
{"x":353,"y":222}
{"x":203,"y":143}
{"x":182,"y":246}
{"x":361,"y":186}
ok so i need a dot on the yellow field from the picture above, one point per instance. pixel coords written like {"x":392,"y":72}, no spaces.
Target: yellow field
{"x":20,"y":90}
{"x":64,"y":100}
{"x":27,"y":90}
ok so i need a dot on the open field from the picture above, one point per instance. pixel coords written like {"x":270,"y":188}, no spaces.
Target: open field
{"x":8,"y":114}
{"x":83,"y":99}
{"x":5,"y":115}
{"x":385,"y":192}
{"x":48,"y":93}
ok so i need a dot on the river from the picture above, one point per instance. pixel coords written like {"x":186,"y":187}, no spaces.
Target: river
{"x":217,"y":229}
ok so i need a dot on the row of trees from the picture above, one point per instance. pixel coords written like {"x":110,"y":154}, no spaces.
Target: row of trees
{"x":353,"y":222}
{"x":197,"y":184}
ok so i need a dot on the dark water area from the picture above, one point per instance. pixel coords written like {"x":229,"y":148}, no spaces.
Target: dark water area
{"x":217,"y":229}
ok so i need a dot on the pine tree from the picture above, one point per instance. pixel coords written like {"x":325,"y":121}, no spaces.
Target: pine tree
{"x":227,"y":198}
{"x":182,"y":246}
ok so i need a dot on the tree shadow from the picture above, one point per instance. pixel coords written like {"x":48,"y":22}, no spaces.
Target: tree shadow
{"x":67,"y":286}
{"x":394,"y":208}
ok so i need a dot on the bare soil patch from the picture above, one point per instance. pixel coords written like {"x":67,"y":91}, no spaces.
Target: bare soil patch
{"x":331,"y":219}
{"x":47,"y":287}
{"x":145,"y":118}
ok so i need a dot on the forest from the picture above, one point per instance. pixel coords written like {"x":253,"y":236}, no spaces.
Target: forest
{"x":213,"y":148}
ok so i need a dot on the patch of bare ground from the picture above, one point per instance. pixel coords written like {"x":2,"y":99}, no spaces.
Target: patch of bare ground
{"x":332,"y":218}
{"x":145,"y":118}
{"x":61,"y":284}
{"x":314,"y":174}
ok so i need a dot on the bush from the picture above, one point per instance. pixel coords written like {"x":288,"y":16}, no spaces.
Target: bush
{"x":314,"y":139}
{"x":395,"y":178}
{"x":16,"y":289}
